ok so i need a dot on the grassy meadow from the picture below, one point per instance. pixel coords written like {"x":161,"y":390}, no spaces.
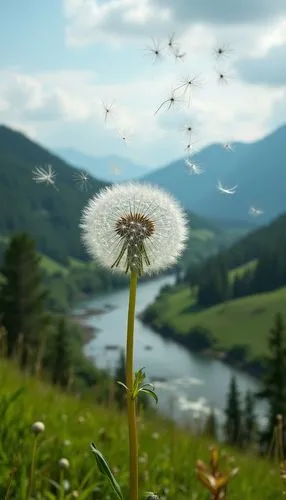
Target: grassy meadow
{"x":167,"y":455}
{"x":244,"y":321}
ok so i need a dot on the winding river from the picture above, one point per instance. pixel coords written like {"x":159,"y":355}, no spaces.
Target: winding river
{"x":188,"y":385}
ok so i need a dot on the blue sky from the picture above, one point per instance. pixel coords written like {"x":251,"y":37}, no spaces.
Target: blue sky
{"x":60,"y":59}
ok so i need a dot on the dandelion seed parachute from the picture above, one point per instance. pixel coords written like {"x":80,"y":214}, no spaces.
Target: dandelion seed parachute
{"x":134,"y":226}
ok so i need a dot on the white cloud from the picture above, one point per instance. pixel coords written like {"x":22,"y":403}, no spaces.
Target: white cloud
{"x":90,"y":21}
{"x":65,"y":109}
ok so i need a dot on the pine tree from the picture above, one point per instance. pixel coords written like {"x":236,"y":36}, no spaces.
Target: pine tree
{"x":210,"y":427}
{"x":61,"y":359}
{"x":249,"y":421}
{"x":275,"y":378}
{"x":233,"y":415}
{"x":23,"y":297}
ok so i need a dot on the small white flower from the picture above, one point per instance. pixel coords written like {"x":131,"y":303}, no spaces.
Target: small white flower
{"x":64,"y":463}
{"x":134,"y":227}
{"x":38,"y":427}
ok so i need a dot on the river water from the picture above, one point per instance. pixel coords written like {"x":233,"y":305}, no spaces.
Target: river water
{"x":188,"y":385}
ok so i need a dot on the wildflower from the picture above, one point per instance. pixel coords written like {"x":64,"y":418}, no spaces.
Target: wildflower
{"x":81,"y":419}
{"x":214,"y":480}
{"x":64,"y":463}
{"x":75,"y":494}
{"x":38,"y":427}
{"x":67,"y":442}
{"x":155,"y":435}
{"x":134,"y":227}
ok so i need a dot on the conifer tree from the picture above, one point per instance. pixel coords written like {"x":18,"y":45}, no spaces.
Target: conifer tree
{"x":23,"y":297}
{"x":233,"y":414}
{"x":249,"y":421}
{"x":274,"y":390}
{"x":61,"y":360}
{"x":210,"y":427}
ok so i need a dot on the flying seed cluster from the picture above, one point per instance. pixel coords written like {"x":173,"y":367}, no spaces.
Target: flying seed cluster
{"x":181,"y":94}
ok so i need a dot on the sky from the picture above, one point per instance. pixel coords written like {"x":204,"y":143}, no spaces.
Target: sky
{"x":62,"y":61}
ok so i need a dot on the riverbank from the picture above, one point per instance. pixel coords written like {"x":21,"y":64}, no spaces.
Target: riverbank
{"x":201,"y":342}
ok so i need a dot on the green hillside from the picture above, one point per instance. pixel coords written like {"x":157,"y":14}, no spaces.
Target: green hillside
{"x":52,"y":216}
{"x":168,"y":455}
{"x":244,"y":322}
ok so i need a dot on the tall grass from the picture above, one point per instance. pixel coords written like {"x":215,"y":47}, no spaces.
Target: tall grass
{"x":167,"y":455}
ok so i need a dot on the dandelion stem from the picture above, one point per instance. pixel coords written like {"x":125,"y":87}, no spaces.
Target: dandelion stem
{"x":133,"y":444}
{"x":31,"y":478}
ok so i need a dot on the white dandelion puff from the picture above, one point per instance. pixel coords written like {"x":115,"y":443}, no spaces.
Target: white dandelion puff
{"x":134,"y":227}
{"x":81,"y":178}
{"x":38,"y":427}
{"x":64,"y":463}
{"x":45,"y":175}
{"x":226,"y":190}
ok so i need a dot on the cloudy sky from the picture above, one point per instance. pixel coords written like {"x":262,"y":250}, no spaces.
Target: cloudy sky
{"x":61,"y":59}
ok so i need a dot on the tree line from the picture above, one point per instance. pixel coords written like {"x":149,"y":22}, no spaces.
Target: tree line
{"x":42,"y":342}
{"x":242,"y":427}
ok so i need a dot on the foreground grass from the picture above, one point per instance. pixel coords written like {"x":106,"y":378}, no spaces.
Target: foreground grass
{"x":167,"y":455}
{"x":245,"y":321}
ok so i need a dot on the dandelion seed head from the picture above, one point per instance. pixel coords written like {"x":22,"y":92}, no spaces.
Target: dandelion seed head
{"x":38,"y":427}
{"x":134,"y":226}
{"x":64,"y":463}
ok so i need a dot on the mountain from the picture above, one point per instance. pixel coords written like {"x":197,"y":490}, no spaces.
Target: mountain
{"x":110,"y":168}
{"x":259,"y":170}
{"x":50,"y":216}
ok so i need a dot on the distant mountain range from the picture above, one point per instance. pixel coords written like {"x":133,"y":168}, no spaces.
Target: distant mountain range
{"x":110,"y":168}
{"x":52,"y":216}
{"x":259,"y":170}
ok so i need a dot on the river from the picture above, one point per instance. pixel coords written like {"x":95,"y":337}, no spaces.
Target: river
{"x":188,"y":385}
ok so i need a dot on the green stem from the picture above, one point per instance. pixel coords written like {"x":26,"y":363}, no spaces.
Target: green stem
{"x":131,"y":403}
{"x":31,"y":478}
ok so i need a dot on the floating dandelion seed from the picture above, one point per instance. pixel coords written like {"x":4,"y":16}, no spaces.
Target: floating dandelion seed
{"x":45,"y":175}
{"x":134,"y":227}
{"x":172,"y":44}
{"x":187,"y":85}
{"x":226,"y":190}
{"x":170,"y":102}
{"x":193,"y":168}
{"x":228,"y":147}
{"x":156,"y":50}
{"x":125,"y":136}
{"x":222,"y":51}
{"x":190,"y":148}
{"x":179,"y":56}
{"x":255,"y":211}
{"x":189,"y":131}
{"x":107,"y":110}
{"x":82,"y":180}
{"x":223,"y":77}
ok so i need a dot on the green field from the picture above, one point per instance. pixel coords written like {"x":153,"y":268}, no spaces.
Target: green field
{"x":244,"y":321}
{"x":168,"y":455}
